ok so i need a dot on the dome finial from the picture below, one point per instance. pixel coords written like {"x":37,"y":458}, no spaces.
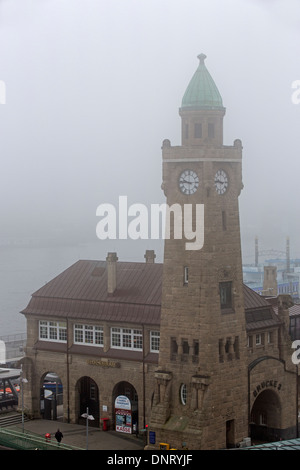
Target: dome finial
{"x":202,"y":58}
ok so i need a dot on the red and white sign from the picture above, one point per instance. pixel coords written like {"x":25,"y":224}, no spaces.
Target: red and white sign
{"x":125,"y":429}
{"x":123,"y":414}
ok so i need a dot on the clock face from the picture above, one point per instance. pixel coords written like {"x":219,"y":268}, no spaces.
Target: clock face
{"x":221,"y":181}
{"x":188,"y":182}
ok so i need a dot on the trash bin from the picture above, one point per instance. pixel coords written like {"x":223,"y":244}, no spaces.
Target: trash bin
{"x":105,"y":424}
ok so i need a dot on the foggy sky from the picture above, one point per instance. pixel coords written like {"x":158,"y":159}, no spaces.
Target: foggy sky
{"x":93,"y":87}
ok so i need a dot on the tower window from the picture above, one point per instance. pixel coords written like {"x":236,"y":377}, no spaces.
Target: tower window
{"x":224,"y":225}
{"x":186,"y":275}
{"x":186,"y":131}
{"x":225,"y":295}
{"x":185,"y":347}
{"x":174,"y":349}
{"x":211,"y":130}
{"x":198,"y":130}
{"x":183,"y":394}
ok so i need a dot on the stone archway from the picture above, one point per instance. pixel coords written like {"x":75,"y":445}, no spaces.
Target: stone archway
{"x":51,"y":396}
{"x":265,"y":421}
{"x":131,"y":418}
{"x":88,"y":398}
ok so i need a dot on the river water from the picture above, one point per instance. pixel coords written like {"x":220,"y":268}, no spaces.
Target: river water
{"x":26,"y":268}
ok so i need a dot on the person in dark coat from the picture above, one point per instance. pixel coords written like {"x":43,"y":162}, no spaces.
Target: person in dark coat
{"x":58,"y":436}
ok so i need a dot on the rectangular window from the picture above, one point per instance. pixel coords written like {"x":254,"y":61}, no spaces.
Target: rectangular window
{"x":224,"y":224}
{"x":88,"y":334}
{"x":186,"y":275}
{"x":211,"y":130}
{"x":53,"y":331}
{"x":186,"y":131}
{"x":258,"y":339}
{"x":225,"y":295}
{"x":99,"y":340}
{"x":126,"y":338}
{"x":137,"y":339}
{"x":198,"y":130}
{"x":154,"y":341}
{"x":116,"y":337}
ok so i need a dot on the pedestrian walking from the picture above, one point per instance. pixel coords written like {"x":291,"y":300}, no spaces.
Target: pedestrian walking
{"x":58,"y":436}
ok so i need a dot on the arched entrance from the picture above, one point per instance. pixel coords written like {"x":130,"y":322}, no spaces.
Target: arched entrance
{"x":51,"y":396}
{"x":125,"y":412}
{"x":265,"y":421}
{"x":88,"y":394}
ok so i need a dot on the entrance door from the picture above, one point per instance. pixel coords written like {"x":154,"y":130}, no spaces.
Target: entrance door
{"x":266,"y":417}
{"x":127,"y":390}
{"x":88,"y":398}
{"x":51,"y":397}
{"x":230,"y":434}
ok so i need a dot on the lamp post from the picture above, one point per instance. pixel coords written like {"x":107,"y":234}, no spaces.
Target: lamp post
{"x":88,"y":417}
{"x":25,"y":381}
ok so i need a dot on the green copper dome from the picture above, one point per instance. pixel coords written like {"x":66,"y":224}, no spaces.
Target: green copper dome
{"x":202,"y":92}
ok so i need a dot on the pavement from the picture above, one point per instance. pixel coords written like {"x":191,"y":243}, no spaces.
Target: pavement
{"x":76,"y":435}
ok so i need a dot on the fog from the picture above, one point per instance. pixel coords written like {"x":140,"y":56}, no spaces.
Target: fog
{"x":94,"y":86}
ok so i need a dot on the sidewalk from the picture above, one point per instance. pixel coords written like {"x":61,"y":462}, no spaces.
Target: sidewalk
{"x":75,"y":435}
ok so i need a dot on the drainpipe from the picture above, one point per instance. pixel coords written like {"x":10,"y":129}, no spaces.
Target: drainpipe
{"x":68,"y":375}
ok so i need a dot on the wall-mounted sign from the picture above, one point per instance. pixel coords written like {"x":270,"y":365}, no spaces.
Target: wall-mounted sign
{"x":123,"y":414}
{"x":266,"y":384}
{"x":103,"y":363}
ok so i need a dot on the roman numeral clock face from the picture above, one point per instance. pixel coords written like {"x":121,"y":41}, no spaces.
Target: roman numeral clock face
{"x":188,"y":182}
{"x":221,"y":181}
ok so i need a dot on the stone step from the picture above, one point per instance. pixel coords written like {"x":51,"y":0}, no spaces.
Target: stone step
{"x":11,"y":419}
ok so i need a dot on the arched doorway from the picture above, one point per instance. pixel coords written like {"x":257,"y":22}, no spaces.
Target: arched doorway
{"x":125,"y":415}
{"x":51,"y":397}
{"x":265,"y":421}
{"x":88,"y":393}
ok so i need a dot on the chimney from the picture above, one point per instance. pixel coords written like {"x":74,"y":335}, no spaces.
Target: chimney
{"x":270,"y":281}
{"x":111,"y":266}
{"x":150,"y":256}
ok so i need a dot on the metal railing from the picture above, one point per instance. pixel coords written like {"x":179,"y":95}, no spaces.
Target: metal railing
{"x":19,"y":440}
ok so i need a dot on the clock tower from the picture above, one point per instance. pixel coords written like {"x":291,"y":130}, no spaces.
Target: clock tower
{"x":200,"y":398}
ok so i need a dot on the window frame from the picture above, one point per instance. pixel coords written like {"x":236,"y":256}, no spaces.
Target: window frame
{"x":183,"y":394}
{"x":258,"y":339}
{"x":131,"y":337}
{"x":54,"y":331}
{"x":154,"y":340}
{"x":89,"y":335}
{"x":226,"y":286}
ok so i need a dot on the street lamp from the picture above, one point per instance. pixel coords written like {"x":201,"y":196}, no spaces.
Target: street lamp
{"x":25,"y":381}
{"x":88,"y":417}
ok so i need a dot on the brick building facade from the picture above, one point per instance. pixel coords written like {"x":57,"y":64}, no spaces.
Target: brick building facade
{"x":205,"y":361}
